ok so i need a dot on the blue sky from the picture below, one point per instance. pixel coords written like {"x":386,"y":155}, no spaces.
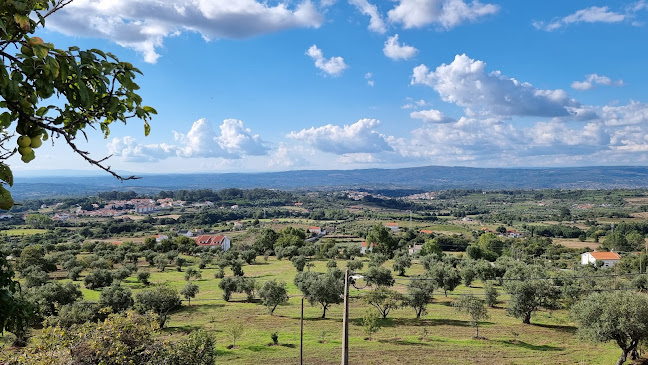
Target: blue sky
{"x":242,"y":85}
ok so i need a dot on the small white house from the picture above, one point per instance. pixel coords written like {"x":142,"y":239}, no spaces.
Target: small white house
{"x":392,"y":226}
{"x":160,"y":237}
{"x":414,"y":249}
{"x":609,"y":259}
{"x":314,"y":229}
{"x":367,"y":248}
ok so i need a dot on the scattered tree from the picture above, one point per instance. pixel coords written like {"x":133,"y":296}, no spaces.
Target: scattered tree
{"x":272,"y":294}
{"x":474,"y":307}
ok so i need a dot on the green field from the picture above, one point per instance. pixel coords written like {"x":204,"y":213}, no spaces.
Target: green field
{"x":550,"y":339}
{"x":23,"y":231}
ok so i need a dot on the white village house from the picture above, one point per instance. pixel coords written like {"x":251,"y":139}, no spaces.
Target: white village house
{"x":392,"y":226}
{"x":314,"y":229}
{"x":220,"y":241}
{"x":609,"y":259}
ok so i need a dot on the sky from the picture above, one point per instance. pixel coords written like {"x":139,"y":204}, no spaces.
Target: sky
{"x":248,"y":86}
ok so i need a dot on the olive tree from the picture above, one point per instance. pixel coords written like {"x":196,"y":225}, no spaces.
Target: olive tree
{"x":474,"y":307}
{"x":160,"y":300}
{"x":618,"y":316}
{"x":325,"y":289}
{"x":272,"y":294}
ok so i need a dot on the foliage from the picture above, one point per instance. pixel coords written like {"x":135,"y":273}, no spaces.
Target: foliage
{"x":161,"y":300}
{"x":117,"y":298}
{"x":619,"y":316}
{"x":235,"y":331}
{"x":384,"y":300}
{"x":49,"y":91}
{"x":299,"y":262}
{"x":419,"y":294}
{"x":474,"y":307}
{"x":143,"y":277}
{"x":401,"y":263}
{"x":379,"y":276}
{"x":382,"y":236}
{"x":190,"y":291}
{"x":490,"y":292}
{"x":50,"y":296}
{"x":371,"y":321}
{"x":325,"y":289}
{"x":446,"y":276}
{"x":529,"y":292}
{"x":98,"y":278}
{"x":192,"y":273}
{"x":272,"y":294}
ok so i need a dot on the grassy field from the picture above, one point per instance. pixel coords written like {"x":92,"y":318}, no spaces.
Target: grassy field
{"x":23,"y":231}
{"x":441,"y":337}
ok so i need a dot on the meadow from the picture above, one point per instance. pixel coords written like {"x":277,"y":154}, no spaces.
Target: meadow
{"x":442,"y":336}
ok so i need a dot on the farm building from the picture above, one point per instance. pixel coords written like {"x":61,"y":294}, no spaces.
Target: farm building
{"x":213,"y":241}
{"x":608,"y":258}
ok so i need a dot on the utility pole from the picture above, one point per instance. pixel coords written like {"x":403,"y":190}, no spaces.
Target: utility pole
{"x":301,"y":334}
{"x":345,"y":321}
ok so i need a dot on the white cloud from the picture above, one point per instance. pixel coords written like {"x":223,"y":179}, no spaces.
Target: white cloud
{"x":360,"y":137}
{"x":593,"y":14}
{"x":333,"y":66}
{"x":432,"y":116}
{"x":357,"y":158}
{"x":398,"y":51}
{"x":144,"y":24}
{"x":286,"y":156}
{"x":593,"y":79}
{"x":465,"y":82}
{"x":369,"y":78}
{"x":376,"y":23}
{"x":446,"y":13}
{"x":129,"y":150}
{"x":413,"y":104}
{"x":234,"y":142}
{"x":235,"y":138}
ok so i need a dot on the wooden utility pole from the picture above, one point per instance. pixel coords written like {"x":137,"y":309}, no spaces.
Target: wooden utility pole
{"x":301,"y":334}
{"x":345,"y":321}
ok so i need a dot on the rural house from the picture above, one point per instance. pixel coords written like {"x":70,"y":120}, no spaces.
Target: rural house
{"x":609,"y":259}
{"x":392,"y":226}
{"x":213,"y":241}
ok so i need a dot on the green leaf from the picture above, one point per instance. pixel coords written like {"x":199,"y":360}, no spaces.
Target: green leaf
{"x":5,"y":120}
{"x":6,"y":201}
{"x":150,"y":110}
{"x":54,"y":67}
{"x":41,"y":52}
{"x":6,"y":175}
{"x":147,"y":128}
{"x":22,"y":21}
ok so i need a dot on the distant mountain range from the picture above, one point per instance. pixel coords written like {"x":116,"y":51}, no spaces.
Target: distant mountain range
{"x":415,"y":178}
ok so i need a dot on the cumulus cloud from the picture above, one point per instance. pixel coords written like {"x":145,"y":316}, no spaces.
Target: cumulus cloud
{"x":144,"y":24}
{"x":592,"y":80}
{"x":466,"y":83}
{"x":376,"y":22}
{"x":593,"y":14}
{"x":431,"y":116}
{"x":445,"y":13}
{"x":234,"y":142}
{"x":129,"y":150}
{"x":413,"y":104}
{"x":360,"y":137}
{"x":333,"y":66}
{"x":398,"y":51}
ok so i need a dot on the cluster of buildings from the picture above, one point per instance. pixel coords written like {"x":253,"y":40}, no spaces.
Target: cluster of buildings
{"x":116,"y":208}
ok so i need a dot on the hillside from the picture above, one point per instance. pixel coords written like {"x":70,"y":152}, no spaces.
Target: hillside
{"x":423,"y":178}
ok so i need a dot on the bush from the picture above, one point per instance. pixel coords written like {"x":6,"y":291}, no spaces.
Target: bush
{"x":98,"y":278}
{"x":117,"y":298}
